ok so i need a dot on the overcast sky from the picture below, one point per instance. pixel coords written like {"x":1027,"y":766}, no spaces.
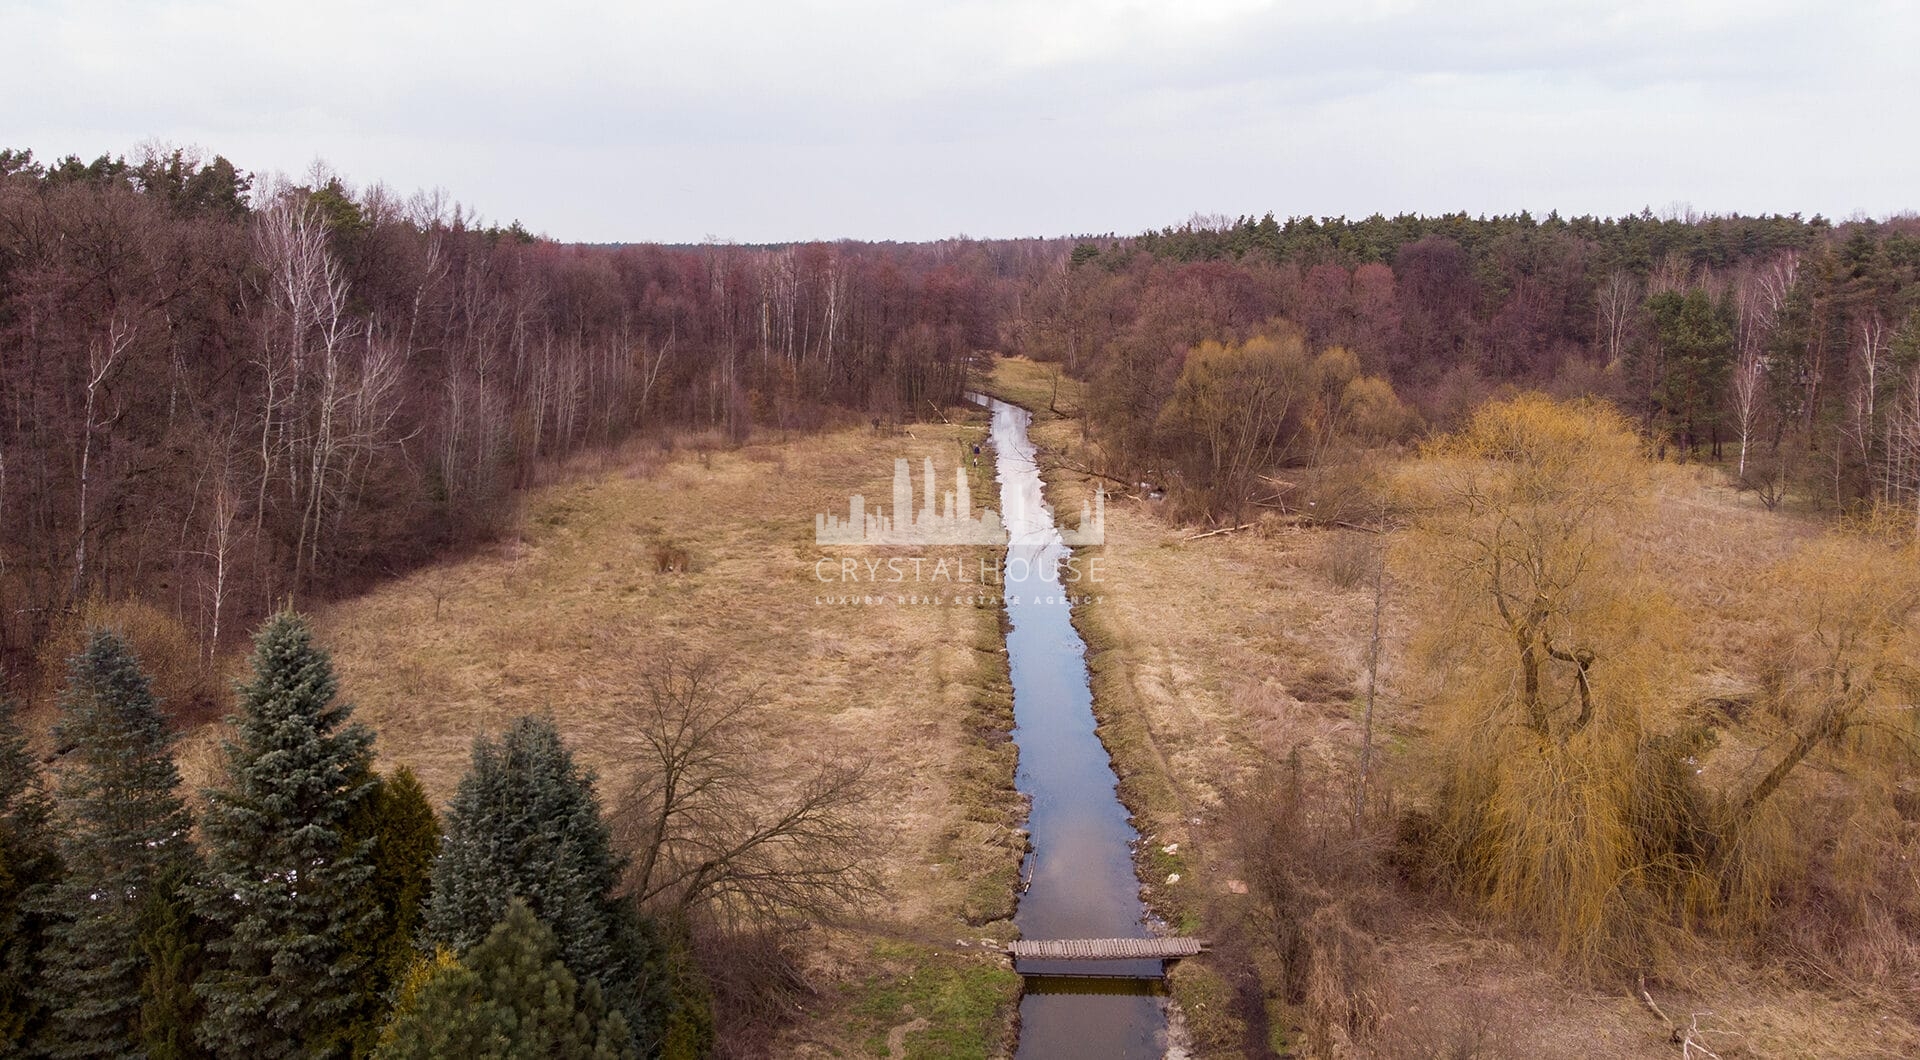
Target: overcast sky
{"x":921,"y":119}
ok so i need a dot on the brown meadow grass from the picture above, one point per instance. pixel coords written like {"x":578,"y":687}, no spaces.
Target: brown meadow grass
{"x":708,"y":551}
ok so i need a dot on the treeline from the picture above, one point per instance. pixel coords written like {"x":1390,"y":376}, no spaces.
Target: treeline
{"x":1785,"y":347}
{"x":218,"y":391}
{"x":1636,"y":242}
{"x":317,"y":908}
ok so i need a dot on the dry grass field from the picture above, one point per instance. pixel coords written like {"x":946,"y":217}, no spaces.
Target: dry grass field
{"x":711,"y":552}
{"x":1216,"y":657}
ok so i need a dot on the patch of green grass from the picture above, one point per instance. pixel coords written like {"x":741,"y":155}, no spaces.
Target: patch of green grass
{"x":986,"y":846}
{"x":1206,"y":1001}
{"x":1145,"y":789}
{"x":1279,"y":1027}
{"x":1159,"y":865}
{"x":966,"y":999}
{"x":1039,"y":388}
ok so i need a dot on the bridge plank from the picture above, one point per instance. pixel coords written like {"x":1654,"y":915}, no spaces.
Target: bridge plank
{"x":1104,"y":949}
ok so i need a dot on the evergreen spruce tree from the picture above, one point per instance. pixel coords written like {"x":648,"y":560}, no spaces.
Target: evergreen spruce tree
{"x":125,"y":837}
{"x":29,"y":868}
{"x":525,"y":825}
{"x":286,"y":877}
{"x":510,"y":999}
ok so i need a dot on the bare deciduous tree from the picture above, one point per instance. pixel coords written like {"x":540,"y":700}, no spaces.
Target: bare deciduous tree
{"x":1674,"y":274}
{"x":1752,"y":327}
{"x":1903,"y":446}
{"x":1619,"y":298}
{"x":101,"y":357}
{"x":332,"y":379}
{"x":1875,"y":351}
{"x":704,"y":832}
{"x":1846,"y":668}
{"x":219,"y":552}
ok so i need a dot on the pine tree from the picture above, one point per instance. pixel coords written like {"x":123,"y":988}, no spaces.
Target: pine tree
{"x":405,"y":836}
{"x":125,"y":838}
{"x":172,"y":951}
{"x":406,"y":839}
{"x":512,"y":999}
{"x":286,"y":877}
{"x":525,"y":825}
{"x":29,"y":868}
{"x":688,"y":1030}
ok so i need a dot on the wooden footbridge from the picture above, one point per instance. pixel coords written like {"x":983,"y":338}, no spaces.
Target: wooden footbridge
{"x":1172,"y":949}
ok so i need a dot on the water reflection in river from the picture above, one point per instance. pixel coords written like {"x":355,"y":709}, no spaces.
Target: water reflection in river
{"x":1083,"y":883}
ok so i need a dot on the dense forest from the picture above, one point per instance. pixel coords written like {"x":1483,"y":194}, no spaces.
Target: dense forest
{"x":1781,"y":346}
{"x":217,"y":392}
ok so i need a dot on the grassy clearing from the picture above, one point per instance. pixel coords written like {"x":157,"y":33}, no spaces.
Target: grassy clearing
{"x":926,"y":1002}
{"x":712,"y":551}
{"x":1213,"y":658}
{"x":1041,"y":389}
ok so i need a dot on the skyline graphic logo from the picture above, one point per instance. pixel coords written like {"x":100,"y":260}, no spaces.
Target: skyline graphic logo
{"x":941,"y":518}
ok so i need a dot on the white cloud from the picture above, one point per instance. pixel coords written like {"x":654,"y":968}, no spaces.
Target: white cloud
{"x":673,"y":120}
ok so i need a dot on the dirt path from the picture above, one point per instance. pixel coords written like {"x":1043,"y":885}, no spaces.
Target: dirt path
{"x":897,"y":1038}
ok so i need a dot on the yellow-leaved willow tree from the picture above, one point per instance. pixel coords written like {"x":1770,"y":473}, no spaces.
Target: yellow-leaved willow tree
{"x":1568,"y":742}
{"x":1551,"y":656}
{"x":1819,"y":826}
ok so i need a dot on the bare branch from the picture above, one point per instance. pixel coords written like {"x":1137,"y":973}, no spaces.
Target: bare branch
{"x":705,"y":837}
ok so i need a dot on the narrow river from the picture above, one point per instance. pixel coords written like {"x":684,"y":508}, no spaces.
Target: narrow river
{"x":1083,"y":882}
